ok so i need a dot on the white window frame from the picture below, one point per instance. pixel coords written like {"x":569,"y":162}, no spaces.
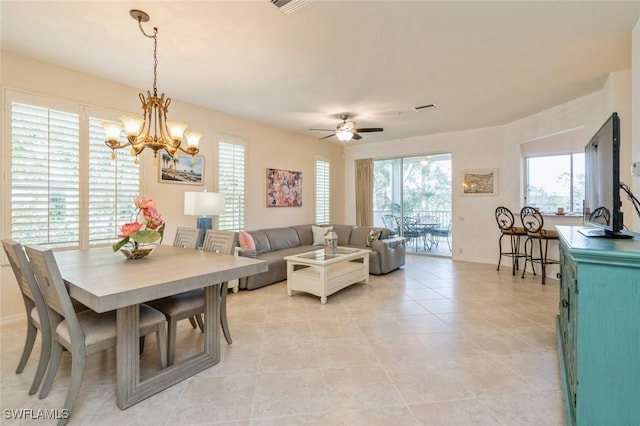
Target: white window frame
{"x":568,"y":210}
{"x":322,"y":190}
{"x":83,"y":112}
{"x":235,"y":194}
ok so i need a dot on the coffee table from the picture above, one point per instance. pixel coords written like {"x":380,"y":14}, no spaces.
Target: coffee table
{"x":323,"y":274}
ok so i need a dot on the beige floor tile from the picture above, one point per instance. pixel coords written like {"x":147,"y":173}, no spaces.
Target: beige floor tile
{"x":437,"y":342}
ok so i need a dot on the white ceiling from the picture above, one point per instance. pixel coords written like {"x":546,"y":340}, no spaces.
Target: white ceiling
{"x":482,"y":63}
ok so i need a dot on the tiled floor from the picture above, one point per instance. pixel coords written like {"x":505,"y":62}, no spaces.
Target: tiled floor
{"x":438,"y":342}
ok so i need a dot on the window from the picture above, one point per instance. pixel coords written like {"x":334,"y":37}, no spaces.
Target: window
{"x":112,"y":186}
{"x":323,"y":191}
{"x":555,"y":181}
{"x":231,"y":183}
{"x":48,"y":163}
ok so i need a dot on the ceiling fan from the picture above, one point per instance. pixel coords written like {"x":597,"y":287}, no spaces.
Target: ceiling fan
{"x":346,"y":130}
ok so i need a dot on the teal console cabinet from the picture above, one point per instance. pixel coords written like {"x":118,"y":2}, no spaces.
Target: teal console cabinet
{"x":598,"y":329}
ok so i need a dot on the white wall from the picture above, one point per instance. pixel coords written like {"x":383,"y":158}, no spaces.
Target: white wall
{"x":268,"y":147}
{"x":474,"y":230}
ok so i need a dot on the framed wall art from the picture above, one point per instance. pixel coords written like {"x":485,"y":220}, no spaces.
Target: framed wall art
{"x":181,"y":169}
{"x":284,"y":188}
{"x":480,"y":182}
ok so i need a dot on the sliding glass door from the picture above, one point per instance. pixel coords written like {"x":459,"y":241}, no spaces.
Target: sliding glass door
{"x":412,"y":195}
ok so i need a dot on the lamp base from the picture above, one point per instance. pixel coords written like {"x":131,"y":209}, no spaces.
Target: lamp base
{"x":203,"y":223}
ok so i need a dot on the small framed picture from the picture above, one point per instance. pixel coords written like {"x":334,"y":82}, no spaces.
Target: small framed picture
{"x":480,"y":182}
{"x":184,"y":169}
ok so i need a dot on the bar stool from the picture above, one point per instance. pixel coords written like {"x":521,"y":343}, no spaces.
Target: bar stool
{"x":533,"y":223}
{"x":505,"y":220}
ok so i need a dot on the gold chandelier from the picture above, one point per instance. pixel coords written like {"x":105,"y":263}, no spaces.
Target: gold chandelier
{"x":153,"y":130}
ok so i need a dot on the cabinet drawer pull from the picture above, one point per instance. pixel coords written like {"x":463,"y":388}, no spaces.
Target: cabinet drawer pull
{"x":558,"y":275}
{"x":565,"y":303}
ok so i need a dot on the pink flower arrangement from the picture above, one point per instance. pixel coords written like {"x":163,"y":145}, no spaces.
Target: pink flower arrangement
{"x":147,"y":225}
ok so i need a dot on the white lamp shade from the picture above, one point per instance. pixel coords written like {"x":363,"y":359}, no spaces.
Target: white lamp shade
{"x":176,"y":129}
{"x":132,"y":125}
{"x":203,"y":203}
{"x":112,"y":130}
{"x":193,"y":138}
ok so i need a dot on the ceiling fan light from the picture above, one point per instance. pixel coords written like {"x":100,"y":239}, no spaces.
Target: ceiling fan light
{"x":344,"y":136}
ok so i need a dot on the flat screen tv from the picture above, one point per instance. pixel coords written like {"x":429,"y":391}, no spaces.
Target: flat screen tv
{"x":602,"y":205}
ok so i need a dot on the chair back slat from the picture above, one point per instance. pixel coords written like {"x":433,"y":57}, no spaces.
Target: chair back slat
{"x":505,"y":219}
{"x":532,"y":220}
{"x":21,"y":268}
{"x":52,"y":285}
{"x":223,"y":242}
{"x":187,"y":237}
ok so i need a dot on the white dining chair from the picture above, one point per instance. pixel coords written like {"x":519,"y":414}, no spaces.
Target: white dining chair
{"x":81,"y":333}
{"x":36,"y":310}
{"x":191,"y":303}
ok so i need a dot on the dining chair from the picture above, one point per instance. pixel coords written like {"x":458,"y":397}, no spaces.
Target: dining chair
{"x":36,"y":310}
{"x":411,"y":232}
{"x":80,"y":333}
{"x":533,"y":223}
{"x":439,"y":233}
{"x":189,"y":238}
{"x":191,"y":303}
{"x":391,"y":222}
{"x":506,"y":225}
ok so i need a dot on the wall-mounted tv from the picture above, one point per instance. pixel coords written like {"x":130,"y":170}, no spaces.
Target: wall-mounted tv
{"x":602,"y":205}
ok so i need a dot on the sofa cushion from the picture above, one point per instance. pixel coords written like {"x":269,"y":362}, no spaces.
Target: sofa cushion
{"x":282,"y":238}
{"x":246,"y":240}
{"x":318,"y":234}
{"x":374,"y":234}
{"x":262,"y":241}
{"x":305,"y":234}
{"x":359,"y":235}
{"x":344,"y":234}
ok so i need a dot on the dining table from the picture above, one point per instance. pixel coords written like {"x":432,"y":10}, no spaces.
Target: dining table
{"x":104,"y":281}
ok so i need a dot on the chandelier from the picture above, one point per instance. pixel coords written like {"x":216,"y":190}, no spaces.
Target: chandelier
{"x":152,"y":130}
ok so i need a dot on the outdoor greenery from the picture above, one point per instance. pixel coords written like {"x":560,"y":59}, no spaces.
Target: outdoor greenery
{"x":424,"y":184}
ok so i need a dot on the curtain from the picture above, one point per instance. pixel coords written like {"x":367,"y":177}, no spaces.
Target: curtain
{"x":364,"y":192}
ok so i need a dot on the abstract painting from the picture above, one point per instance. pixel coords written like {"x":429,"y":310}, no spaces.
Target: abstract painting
{"x":284,"y":188}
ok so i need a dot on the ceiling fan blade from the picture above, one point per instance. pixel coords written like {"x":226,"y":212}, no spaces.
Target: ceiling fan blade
{"x":328,"y":136}
{"x":370,"y":129}
{"x":324,"y":130}
{"x":356,"y":136}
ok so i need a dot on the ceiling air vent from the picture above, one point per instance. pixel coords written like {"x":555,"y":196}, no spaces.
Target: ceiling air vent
{"x":289,"y":6}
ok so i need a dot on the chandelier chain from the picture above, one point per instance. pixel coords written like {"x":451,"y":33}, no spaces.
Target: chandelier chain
{"x":154,"y":36}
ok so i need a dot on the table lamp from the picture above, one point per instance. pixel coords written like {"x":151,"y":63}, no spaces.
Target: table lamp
{"x":203,"y":204}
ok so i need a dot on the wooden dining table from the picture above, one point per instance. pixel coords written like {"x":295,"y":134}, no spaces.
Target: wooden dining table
{"x":105,"y":281}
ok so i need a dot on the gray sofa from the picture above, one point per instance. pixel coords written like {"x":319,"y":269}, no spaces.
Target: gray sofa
{"x":273,"y":244}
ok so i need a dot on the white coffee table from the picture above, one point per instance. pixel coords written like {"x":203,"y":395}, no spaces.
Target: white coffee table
{"x":322,"y":275}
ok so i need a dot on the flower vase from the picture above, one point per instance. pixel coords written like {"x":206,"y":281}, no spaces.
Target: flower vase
{"x":137,"y":251}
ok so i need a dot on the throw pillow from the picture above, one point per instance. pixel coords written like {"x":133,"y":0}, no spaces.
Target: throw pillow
{"x":246,"y":240}
{"x":318,"y":234}
{"x":374,"y":234}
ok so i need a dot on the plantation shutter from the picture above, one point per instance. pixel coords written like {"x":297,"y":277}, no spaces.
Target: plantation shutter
{"x":113,"y":184}
{"x":323,"y":193}
{"x":231,"y":163}
{"x":45,"y":180}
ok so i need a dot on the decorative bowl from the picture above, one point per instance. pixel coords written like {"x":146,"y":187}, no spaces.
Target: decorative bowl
{"x":140,"y":252}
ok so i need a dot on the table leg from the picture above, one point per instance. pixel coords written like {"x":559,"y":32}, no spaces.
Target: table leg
{"x":129,"y":389}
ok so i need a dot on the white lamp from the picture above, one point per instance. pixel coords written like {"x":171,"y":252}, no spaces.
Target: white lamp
{"x":203,"y":204}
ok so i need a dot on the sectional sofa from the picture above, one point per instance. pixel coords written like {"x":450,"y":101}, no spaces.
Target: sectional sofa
{"x":273,"y":244}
